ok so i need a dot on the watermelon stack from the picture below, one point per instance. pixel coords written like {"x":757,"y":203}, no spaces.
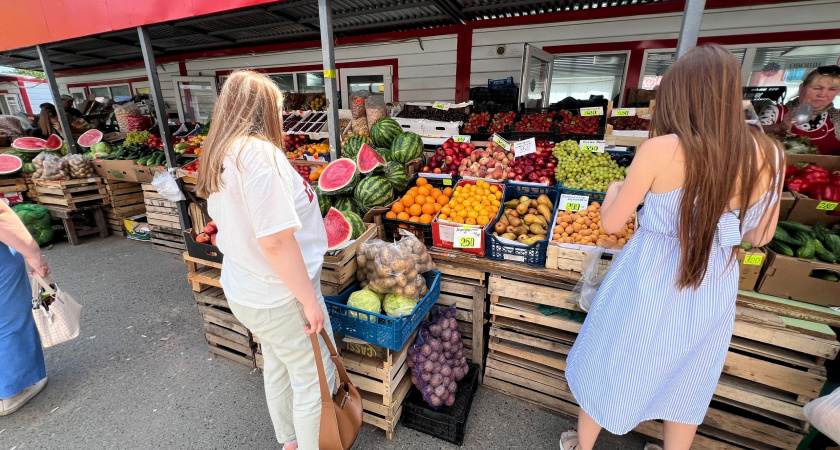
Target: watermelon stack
{"x":406,"y":147}
{"x":353,"y":144}
{"x":384,"y":131}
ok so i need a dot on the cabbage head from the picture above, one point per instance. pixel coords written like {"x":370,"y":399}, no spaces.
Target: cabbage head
{"x":398,"y":305}
{"x":366,"y":300}
{"x":102,"y":148}
{"x":37,"y":220}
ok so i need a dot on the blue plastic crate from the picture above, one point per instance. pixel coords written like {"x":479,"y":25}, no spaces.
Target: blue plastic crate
{"x":379,"y":329}
{"x":535,"y":254}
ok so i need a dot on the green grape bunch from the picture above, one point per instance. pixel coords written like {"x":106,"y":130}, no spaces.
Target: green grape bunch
{"x":137,"y":137}
{"x":578,"y":169}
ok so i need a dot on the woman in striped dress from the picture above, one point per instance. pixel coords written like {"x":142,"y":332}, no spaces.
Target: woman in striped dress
{"x":654,"y":342}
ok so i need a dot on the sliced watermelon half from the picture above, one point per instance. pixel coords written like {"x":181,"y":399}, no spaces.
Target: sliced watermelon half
{"x":54,"y":142}
{"x":339,"y":229}
{"x":369,"y":160}
{"x":90,"y":138}
{"x":339,"y":177}
{"x":29,"y":144}
{"x":10,"y":164}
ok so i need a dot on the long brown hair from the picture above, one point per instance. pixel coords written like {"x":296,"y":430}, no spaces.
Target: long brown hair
{"x":700,"y":101}
{"x":250,"y":105}
{"x":45,"y":119}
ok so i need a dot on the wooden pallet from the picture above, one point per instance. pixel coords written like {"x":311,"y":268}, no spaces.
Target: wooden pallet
{"x":72,"y":194}
{"x":201,"y":273}
{"x":565,"y":258}
{"x":30,"y":194}
{"x":12,"y":185}
{"x":225,"y":335}
{"x":169,"y":240}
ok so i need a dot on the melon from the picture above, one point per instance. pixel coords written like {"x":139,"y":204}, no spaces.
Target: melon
{"x":357,"y":226}
{"x":324,"y":202}
{"x":53,"y":143}
{"x":90,"y":138}
{"x":406,"y":147}
{"x":384,"y":131}
{"x":369,"y":160}
{"x":396,"y":174}
{"x":345,"y":203}
{"x":385,"y":152}
{"x":339,"y":229}
{"x":339,"y":177}
{"x":10,"y":164}
{"x":29,"y":144}
{"x":351,"y":146}
{"x":374,"y":191}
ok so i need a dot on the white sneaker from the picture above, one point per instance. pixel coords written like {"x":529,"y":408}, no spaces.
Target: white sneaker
{"x":10,"y":405}
{"x":650,"y":446}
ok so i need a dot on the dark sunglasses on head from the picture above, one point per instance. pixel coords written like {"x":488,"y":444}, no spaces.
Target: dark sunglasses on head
{"x":829,"y":70}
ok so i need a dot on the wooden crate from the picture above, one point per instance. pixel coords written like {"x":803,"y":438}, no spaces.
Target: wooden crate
{"x":339,"y":269}
{"x":125,"y":197}
{"x":467,"y":290}
{"x":12,"y":185}
{"x":564,"y":258}
{"x":166,"y":239}
{"x":30,"y":194}
{"x":202,"y":273}
{"x":225,"y":335}
{"x":72,"y":194}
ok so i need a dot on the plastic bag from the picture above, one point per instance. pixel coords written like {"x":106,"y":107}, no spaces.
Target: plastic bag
{"x":79,"y":166}
{"x":14,"y":127}
{"x":437,"y":359}
{"x":50,"y":168}
{"x":166,"y":186}
{"x":394,"y":268}
{"x":357,"y":106}
{"x":590,"y":281}
{"x":824,"y":414}
{"x":375,"y":109}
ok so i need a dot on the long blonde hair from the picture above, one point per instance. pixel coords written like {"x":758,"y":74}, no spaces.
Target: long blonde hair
{"x":48,"y":112}
{"x":699,"y":100}
{"x":250,"y":105}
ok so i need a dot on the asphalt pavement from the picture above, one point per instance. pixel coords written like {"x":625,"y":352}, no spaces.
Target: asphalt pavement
{"x":140,"y":376}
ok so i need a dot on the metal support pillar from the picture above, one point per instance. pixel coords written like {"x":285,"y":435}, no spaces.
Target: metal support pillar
{"x":690,"y":28}
{"x":160,"y":112}
{"x":56,"y":95}
{"x":330,"y":74}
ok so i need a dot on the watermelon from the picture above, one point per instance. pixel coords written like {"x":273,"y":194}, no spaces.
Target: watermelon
{"x":397,"y":176}
{"x":384,"y":131}
{"x":339,"y":229}
{"x":374,"y":191}
{"x":385,"y":152}
{"x":369,"y":160}
{"x":406,"y":147}
{"x":90,"y":138}
{"x":53,"y":143}
{"x":324,"y":202}
{"x":356,"y":224}
{"x":29,"y":144}
{"x":339,"y":177}
{"x":352,"y":145}
{"x":25,"y":157}
{"x":10,"y":164}
{"x":345,"y":203}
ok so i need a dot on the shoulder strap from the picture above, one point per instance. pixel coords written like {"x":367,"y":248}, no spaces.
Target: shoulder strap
{"x":326,"y":395}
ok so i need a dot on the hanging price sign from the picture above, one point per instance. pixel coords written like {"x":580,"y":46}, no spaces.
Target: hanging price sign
{"x":753,"y":260}
{"x":593,"y":146}
{"x":573,"y":202}
{"x":500,"y":141}
{"x":598,"y":111}
{"x":467,"y":237}
{"x":525,"y":147}
{"x":441,"y":106}
{"x":624,"y":112}
{"x":460,"y":139}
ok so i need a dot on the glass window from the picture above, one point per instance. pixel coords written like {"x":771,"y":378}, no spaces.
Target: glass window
{"x":310,"y":82}
{"x":120,"y":93}
{"x":373,"y":84}
{"x":100,"y":93}
{"x":197,"y":100}
{"x":143,"y":90}
{"x":787,"y":66}
{"x":659,"y":62}
{"x":78,"y":98}
{"x":286,"y":82}
{"x":580,"y":76}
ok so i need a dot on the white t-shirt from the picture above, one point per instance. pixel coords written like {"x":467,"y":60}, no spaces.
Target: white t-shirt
{"x":260,"y":196}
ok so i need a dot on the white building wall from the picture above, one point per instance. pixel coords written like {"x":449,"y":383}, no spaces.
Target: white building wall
{"x":38,"y":92}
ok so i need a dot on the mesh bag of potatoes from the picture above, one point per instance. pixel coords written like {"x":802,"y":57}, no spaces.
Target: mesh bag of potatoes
{"x":50,"y":168}
{"x":80,"y":167}
{"x":394,"y":268}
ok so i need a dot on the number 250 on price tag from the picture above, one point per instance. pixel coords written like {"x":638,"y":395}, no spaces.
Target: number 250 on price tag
{"x":467,"y":237}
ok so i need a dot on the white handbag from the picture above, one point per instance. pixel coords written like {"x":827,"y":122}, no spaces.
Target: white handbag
{"x":56,"y":314}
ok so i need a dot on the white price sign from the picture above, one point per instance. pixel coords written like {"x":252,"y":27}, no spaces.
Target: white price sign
{"x":500,"y":141}
{"x":624,"y":112}
{"x":440,"y":105}
{"x":467,"y":237}
{"x":573,"y":202}
{"x":598,"y":111}
{"x":460,"y":139}
{"x":525,"y":147}
{"x":593,"y":146}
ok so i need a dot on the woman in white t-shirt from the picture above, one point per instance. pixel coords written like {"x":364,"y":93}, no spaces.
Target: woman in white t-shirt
{"x":273,"y":239}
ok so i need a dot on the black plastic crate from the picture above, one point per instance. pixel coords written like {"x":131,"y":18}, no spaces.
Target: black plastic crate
{"x":532,"y":255}
{"x":440,"y":183}
{"x":423,"y":231}
{"x":448,"y":423}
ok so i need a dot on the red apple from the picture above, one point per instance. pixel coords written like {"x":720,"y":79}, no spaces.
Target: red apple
{"x":211,"y":228}
{"x":202,"y":238}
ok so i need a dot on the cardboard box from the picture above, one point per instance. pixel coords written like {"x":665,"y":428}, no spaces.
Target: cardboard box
{"x":793,"y":278}
{"x":806,"y":210}
{"x":119,"y":170}
{"x":143,"y":174}
{"x":786,"y":204}
{"x":750,"y":264}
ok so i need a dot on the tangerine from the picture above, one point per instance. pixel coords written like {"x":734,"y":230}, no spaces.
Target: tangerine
{"x":436,"y":193}
{"x":420,"y":200}
{"x":390,"y":215}
{"x":426,"y":218}
{"x":447,"y":192}
{"x":422,"y":181}
{"x":446,"y":210}
{"x":442,"y":199}
{"x":415,"y":210}
{"x":437,"y":207}
{"x":407,"y":200}
{"x":424,"y":190}
{"x":443,"y":217}
{"x":482,"y":220}
{"x":414,"y":219}
{"x":403,"y":216}
{"x":397,"y":207}
{"x":428,"y":208}
{"x":470,"y":221}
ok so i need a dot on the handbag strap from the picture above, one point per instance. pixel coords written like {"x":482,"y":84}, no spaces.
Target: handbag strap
{"x":326,"y":395}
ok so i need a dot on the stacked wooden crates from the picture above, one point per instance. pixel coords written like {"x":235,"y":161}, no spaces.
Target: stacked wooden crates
{"x":125,"y":199}
{"x":163,"y":220}
{"x":774,"y":366}
{"x":72,"y":194}
{"x":339,"y":270}
{"x":466,"y":289}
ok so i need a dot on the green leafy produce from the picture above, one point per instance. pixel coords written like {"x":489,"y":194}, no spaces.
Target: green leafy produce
{"x":37,"y":220}
{"x":102,"y":148}
{"x":579,"y":169}
{"x":366,"y":300}
{"x":396,"y":305}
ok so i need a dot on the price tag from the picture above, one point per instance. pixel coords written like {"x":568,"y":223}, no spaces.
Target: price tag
{"x":500,"y":141}
{"x":827,"y":206}
{"x":753,"y":260}
{"x":570,"y":202}
{"x":593,"y":146}
{"x":330,"y":73}
{"x":585,"y":112}
{"x":467,"y":237}
{"x":441,"y":105}
{"x":460,"y":139}
{"x":525,"y":147}
{"x":447,"y":181}
{"x":624,"y":112}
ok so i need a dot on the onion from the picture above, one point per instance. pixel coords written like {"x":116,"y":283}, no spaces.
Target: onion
{"x":412,"y":351}
{"x":414,"y":378}
{"x":453,"y":387}
{"x":426,"y":350}
{"x":458,"y":373}
{"x":463,"y":361}
{"x":436,"y":345}
{"x":421,"y":359}
{"x":447,"y":346}
{"x":453,"y":325}
{"x":450,"y":400}
{"x":455,"y":337}
{"x":428,"y":366}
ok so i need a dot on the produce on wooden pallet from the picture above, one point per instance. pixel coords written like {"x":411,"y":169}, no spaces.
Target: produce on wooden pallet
{"x":10,"y":164}
{"x":79,"y":166}
{"x":525,"y":220}
{"x":473,"y":204}
{"x":802,"y":241}
{"x":369,"y":160}
{"x":342,"y":227}
{"x":50,"y":168}
{"x":384,"y":131}
{"x":536,"y":167}
{"x":420,"y":203}
{"x":570,"y":124}
{"x":579,"y":169}
{"x":437,"y":360}
{"x":584,"y":228}
{"x":394,"y":268}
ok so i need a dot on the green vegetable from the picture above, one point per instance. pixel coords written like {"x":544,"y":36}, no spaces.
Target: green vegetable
{"x":832,"y":243}
{"x":365,"y":300}
{"x":37,"y":220}
{"x":824,"y":254}
{"x":793,"y":227}
{"x":746,"y":245}
{"x":780,"y":248}
{"x":808,"y":247}
{"x":398,"y":305}
{"x":820,"y":231}
{"x":826,"y":275}
{"x":782,"y":236}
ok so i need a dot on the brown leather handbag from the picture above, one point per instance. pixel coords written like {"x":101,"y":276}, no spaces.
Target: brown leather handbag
{"x":341,"y":417}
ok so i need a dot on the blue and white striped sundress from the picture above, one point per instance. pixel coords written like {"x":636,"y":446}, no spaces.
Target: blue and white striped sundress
{"x":648,"y":350}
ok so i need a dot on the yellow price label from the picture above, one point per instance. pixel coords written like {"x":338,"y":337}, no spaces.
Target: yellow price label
{"x":753,"y":260}
{"x":447,"y":182}
{"x":330,"y":73}
{"x":590,"y":148}
{"x":466,"y":242}
{"x":585,"y":112}
{"x":572,"y":207}
{"x":827,"y":206}
{"x":622,"y":113}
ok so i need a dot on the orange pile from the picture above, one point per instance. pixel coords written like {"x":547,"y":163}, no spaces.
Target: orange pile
{"x":420,"y":203}
{"x":473,"y":204}
{"x":313,"y":176}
